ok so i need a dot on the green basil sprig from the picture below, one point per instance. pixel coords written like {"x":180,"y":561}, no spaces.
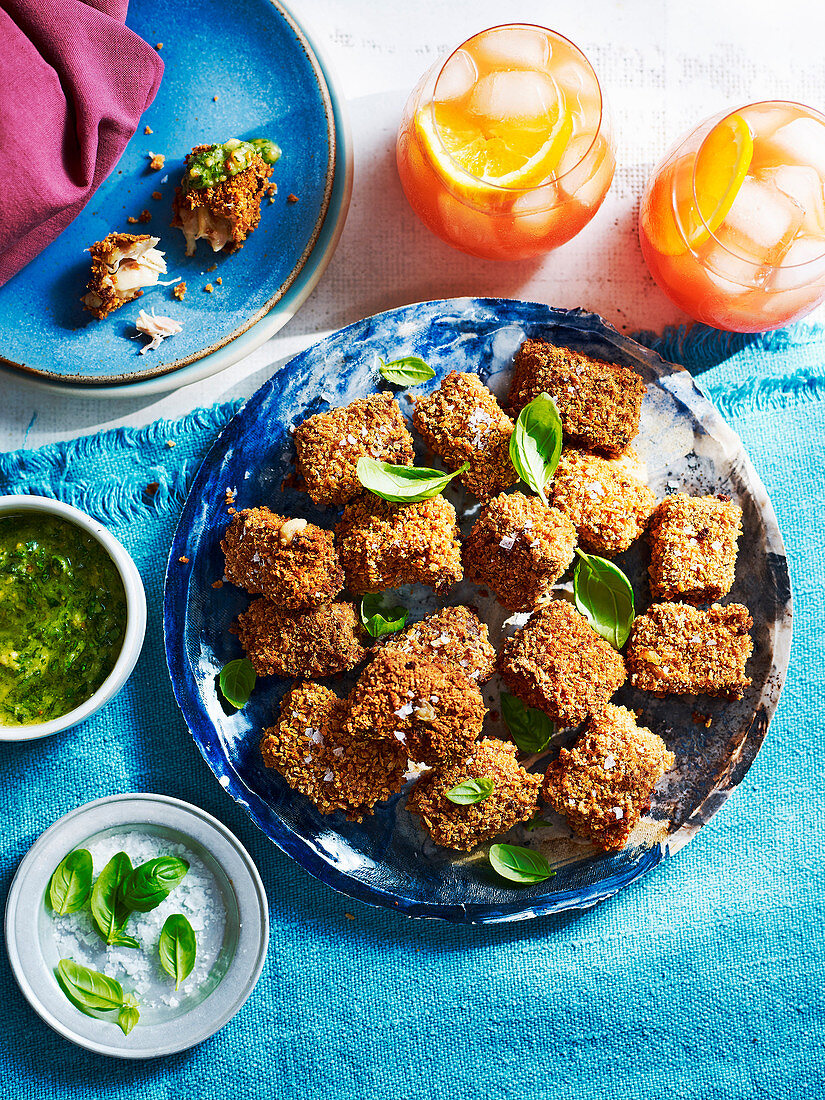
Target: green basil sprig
{"x":519,"y":864}
{"x":402,"y":484}
{"x":237,"y":679}
{"x":604,"y":595}
{"x":96,"y":994}
{"x":531,"y":729}
{"x":410,"y":370}
{"x":471,"y":791}
{"x":535,"y":445}
{"x":148,"y":885}
{"x":537,"y":823}
{"x":378,"y":618}
{"x":109,"y":915}
{"x":128,"y":1015}
{"x":71,"y":883}
{"x":177,"y":947}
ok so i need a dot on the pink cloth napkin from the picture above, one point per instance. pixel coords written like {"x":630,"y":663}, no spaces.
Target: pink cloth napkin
{"x":74,"y":82}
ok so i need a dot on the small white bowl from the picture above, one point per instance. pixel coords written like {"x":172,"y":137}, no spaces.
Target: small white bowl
{"x":135,"y":616}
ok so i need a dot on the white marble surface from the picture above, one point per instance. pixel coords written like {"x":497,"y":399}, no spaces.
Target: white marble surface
{"x":664,"y":65}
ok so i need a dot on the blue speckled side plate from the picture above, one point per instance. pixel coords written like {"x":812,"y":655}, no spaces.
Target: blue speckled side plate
{"x":388,"y":860}
{"x":268,"y":80}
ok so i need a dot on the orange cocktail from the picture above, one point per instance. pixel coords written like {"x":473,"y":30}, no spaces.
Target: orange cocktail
{"x":732,"y":222}
{"x":506,"y":150}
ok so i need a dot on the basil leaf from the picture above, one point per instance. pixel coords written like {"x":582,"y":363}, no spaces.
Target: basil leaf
{"x":378,"y":619}
{"x":471,"y":791}
{"x":408,"y":371}
{"x":128,"y":1015}
{"x":122,"y":940}
{"x":87,"y":989}
{"x":402,"y":484}
{"x":109,"y":915}
{"x":71,"y":883}
{"x":535,"y":444}
{"x":531,"y":729}
{"x":177,"y":947}
{"x":148,"y":885}
{"x":537,"y":823}
{"x":237,"y":679}
{"x":604,"y":596}
{"x":519,"y":864}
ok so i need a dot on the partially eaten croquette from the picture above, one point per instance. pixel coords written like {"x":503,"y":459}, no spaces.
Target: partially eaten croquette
{"x":676,"y":649}
{"x":225,"y":213}
{"x":607,"y":505}
{"x":328,"y":446}
{"x":693,"y":548}
{"x":123,"y":265}
{"x":457,"y":635}
{"x":604,"y":783}
{"x":290,"y":561}
{"x":316,"y":756}
{"x":519,"y":547}
{"x":384,"y":545}
{"x":599,"y":403}
{"x":313,"y":643}
{"x":559,"y":664}
{"x":462,"y":422}
{"x":513,"y":799}
{"x":428,"y":707}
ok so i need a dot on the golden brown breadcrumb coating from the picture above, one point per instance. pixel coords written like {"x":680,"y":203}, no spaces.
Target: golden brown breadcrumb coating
{"x":604,"y":783}
{"x":519,"y":547}
{"x":676,"y":649}
{"x":559,"y":664}
{"x":607,"y":505}
{"x":514,"y":797}
{"x":311,"y":643}
{"x":462,"y":422}
{"x":328,"y":446}
{"x":315,"y":755}
{"x":429,"y":707}
{"x":231,"y":209}
{"x":108,"y":256}
{"x":384,"y":545}
{"x":598,"y":402}
{"x":693,"y":548}
{"x":457,"y":635}
{"x":291,"y":561}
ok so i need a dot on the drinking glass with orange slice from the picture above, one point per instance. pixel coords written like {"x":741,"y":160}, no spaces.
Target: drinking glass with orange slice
{"x":732,"y":222}
{"x":505,"y":150}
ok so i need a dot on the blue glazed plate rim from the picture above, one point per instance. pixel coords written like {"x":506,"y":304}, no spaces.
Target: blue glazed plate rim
{"x":175,"y":592}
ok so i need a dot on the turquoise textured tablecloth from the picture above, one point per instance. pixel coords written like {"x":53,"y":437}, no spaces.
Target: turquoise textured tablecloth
{"x":703,"y":981}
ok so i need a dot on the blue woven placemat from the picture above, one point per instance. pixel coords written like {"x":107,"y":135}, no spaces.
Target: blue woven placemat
{"x":702,"y":981}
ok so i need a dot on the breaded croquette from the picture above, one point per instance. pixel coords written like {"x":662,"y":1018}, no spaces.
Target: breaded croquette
{"x":328,"y":446}
{"x":676,"y":649}
{"x":384,"y":545}
{"x":693,"y":548}
{"x":559,"y":664}
{"x":598,"y":402}
{"x":604,"y":783}
{"x":290,"y":561}
{"x":429,"y":707}
{"x":462,"y":422}
{"x":519,"y":547}
{"x":513,"y":799}
{"x":315,"y":755}
{"x":456,"y":635}
{"x":607,"y":505}
{"x":123,"y":265}
{"x":225,"y":213}
{"x":313,"y":643}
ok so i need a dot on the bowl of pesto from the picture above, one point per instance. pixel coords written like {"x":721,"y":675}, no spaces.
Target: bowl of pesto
{"x":72,"y":617}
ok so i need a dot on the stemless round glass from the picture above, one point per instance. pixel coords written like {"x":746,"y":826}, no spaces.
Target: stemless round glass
{"x":751,"y":256}
{"x":494,"y":86}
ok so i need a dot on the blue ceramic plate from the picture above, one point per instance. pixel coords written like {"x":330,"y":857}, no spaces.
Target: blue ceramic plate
{"x":388,"y":860}
{"x":269,"y":81}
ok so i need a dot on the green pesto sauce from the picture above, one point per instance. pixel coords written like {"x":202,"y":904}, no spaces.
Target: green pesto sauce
{"x":62,"y":617}
{"x":217,"y":163}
